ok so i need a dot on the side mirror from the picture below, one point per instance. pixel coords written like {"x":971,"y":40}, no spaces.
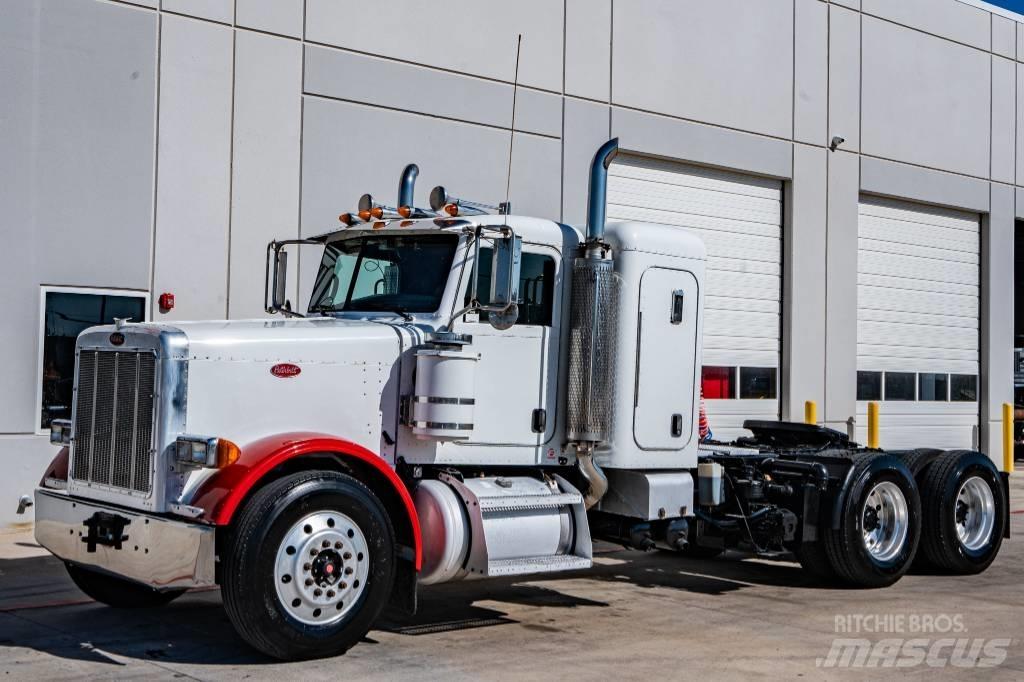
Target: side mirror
{"x":275,"y":283}
{"x":280,"y":280}
{"x":505,"y":269}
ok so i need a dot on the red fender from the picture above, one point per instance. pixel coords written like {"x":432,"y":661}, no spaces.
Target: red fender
{"x":221,"y":494}
{"x":58,"y":468}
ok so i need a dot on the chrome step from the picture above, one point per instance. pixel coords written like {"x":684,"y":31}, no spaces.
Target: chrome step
{"x":537,"y":564}
{"x":513,"y":502}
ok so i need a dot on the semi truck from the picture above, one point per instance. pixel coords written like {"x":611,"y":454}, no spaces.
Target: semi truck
{"x":467,"y":394}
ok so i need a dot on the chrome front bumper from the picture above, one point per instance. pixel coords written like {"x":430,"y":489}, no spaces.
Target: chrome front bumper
{"x":159,"y":552}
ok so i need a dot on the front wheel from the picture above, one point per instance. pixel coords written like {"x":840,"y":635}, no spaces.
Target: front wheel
{"x":310,"y":566}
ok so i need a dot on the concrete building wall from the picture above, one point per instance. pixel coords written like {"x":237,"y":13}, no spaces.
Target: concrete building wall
{"x":157,"y":145}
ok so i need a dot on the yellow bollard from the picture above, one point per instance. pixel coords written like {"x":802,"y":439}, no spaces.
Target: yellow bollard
{"x":1007,"y":437}
{"x":873,"y":426}
{"x":810,"y":412}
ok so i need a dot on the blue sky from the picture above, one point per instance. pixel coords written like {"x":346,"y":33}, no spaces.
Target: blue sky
{"x":1014,"y":5}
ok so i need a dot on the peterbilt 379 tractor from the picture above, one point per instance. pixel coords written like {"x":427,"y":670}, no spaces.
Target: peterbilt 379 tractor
{"x":468,"y":394}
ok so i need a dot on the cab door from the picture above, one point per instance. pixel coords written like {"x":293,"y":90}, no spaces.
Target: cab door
{"x":517,"y":375}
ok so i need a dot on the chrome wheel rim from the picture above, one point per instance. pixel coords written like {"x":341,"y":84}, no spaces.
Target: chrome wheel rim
{"x":885,"y":521}
{"x":975,"y":513}
{"x":321,"y":568}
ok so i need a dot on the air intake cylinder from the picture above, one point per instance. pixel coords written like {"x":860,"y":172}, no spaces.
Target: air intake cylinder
{"x":593,"y":320}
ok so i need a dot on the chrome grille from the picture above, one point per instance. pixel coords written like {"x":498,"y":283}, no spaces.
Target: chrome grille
{"x":113,"y":431}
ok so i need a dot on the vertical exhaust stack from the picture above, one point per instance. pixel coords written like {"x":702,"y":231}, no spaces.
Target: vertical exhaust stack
{"x":407,"y":185}
{"x":597,"y":196}
{"x":593,"y":334}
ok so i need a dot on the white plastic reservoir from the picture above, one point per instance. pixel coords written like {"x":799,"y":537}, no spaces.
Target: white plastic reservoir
{"x":444,"y":396}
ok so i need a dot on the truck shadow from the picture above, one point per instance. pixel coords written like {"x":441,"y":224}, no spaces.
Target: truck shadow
{"x":41,"y":610}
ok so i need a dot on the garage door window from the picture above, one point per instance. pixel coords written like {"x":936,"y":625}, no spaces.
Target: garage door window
{"x":65,"y":314}
{"x":869,"y":385}
{"x":718,"y":383}
{"x":963,"y":388}
{"x":933,"y":387}
{"x":899,"y":385}
{"x":757,"y":383}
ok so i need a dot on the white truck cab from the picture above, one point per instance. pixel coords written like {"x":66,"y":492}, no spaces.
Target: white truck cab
{"x":466,"y":395}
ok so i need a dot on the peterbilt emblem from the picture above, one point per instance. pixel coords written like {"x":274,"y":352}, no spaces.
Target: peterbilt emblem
{"x":285,"y":370}
{"x":117,"y":338}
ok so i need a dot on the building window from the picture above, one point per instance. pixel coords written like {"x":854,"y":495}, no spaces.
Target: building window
{"x":65,"y":314}
{"x":718,"y":383}
{"x":963,"y":388}
{"x":869,"y":385}
{"x":757,"y":383}
{"x":536,"y":287}
{"x":933,"y":387}
{"x":899,"y":385}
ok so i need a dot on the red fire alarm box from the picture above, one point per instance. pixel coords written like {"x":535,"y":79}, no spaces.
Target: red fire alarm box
{"x":166,"y":302}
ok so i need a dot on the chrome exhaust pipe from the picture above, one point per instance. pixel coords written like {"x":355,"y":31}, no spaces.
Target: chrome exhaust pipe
{"x":597,"y":197}
{"x":597,"y":482}
{"x":407,"y":185}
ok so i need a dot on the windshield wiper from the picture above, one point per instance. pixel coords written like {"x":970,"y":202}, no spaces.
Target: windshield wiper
{"x":405,"y":316}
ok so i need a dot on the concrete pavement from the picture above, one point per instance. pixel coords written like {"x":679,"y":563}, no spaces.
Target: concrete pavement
{"x":633,"y":615}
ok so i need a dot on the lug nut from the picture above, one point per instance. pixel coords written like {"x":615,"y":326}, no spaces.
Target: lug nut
{"x":348,"y":570}
{"x":347,"y":556}
{"x":325,"y":544}
{"x":317,"y":592}
{"x":337,"y":545}
{"x":330,"y":594}
{"x":313,"y":552}
{"x":309,"y":582}
{"x":306,"y":566}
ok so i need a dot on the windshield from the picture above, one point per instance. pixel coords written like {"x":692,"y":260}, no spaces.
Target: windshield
{"x":403,"y":274}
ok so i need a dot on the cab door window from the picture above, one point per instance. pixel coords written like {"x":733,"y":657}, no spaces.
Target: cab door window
{"x":536,"y":287}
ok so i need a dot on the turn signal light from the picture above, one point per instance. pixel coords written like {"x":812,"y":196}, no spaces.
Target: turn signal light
{"x":405,"y":211}
{"x":347,"y":219}
{"x":451,"y":209}
{"x":364,"y":215}
{"x":203,"y":451}
{"x":227,"y":453}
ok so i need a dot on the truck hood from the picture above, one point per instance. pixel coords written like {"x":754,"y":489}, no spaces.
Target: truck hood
{"x":311,"y":340}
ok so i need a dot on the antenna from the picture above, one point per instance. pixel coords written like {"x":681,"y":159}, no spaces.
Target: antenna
{"x":506,"y":208}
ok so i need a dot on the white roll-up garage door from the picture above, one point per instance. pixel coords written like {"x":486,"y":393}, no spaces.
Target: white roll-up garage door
{"x":739,"y":217}
{"x":918,"y":303}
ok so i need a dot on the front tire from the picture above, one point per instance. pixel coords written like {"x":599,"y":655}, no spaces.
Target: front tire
{"x":880,"y":524}
{"x":310,"y":566}
{"x":118,"y":592}
{"x":964,"y":510}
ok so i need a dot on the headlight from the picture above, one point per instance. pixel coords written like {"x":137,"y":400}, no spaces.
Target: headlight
{"x":203,"y":451}
{"x":60,"y":432}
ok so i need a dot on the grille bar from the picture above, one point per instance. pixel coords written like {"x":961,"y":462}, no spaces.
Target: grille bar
{"x":114,"y":419}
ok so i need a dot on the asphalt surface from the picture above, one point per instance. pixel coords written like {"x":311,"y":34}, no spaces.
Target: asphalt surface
{"x":633,"y":615}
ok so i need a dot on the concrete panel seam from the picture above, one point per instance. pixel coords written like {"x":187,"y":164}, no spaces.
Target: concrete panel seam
{"x":426,"y":115}
{"x":156,"y":164}
{"x":662,"y":114}
{"x":928,"y":33}
{"x":427,"y":66}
